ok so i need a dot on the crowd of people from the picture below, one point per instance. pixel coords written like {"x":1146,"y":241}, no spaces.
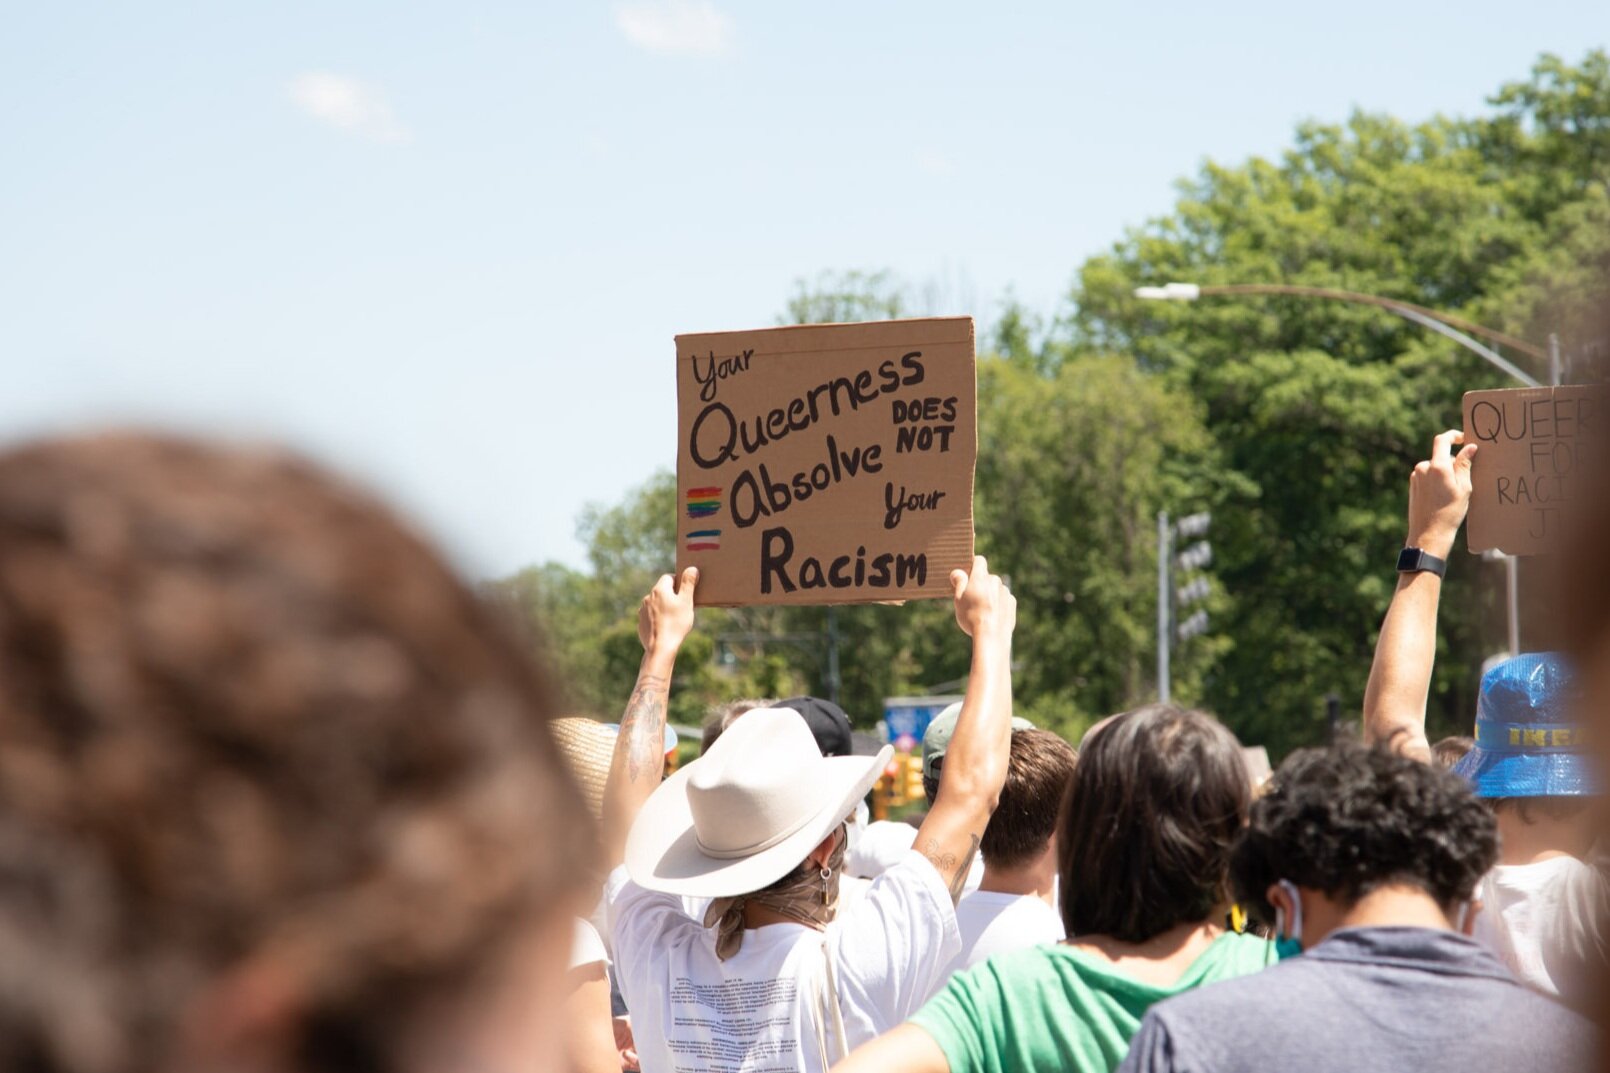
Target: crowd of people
{"x":279,"y":793}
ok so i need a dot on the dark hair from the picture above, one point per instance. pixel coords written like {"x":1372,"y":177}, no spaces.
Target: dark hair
{"x":248,"y":719}
{"x":1026,"y":817}
{"x":1452,"y":749}
{"x":1154,"y":804}
{"x":1349,"y":819}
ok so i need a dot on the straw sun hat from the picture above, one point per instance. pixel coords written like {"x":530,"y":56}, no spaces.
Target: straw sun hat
{"x":747,"y":812}
{"x":587,"y":746}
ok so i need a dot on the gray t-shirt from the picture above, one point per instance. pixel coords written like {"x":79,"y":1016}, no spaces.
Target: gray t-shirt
{"x":1416,"y":999}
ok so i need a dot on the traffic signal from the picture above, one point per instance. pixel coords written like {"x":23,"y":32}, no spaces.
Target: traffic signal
{"x":1196,"y":557}
{"x":913,"y":783}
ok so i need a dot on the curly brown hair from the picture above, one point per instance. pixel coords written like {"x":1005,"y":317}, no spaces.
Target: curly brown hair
{"x":247,"y":718}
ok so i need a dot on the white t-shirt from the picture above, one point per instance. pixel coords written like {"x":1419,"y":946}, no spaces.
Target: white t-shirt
{"x":1541,"y":920}
{"x":764,"y":1010}
{"x":585,"y":945}
{"x":884,"y":843}
{"x":993,"y":923}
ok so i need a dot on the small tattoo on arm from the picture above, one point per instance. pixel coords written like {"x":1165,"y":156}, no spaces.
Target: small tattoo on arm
{"x":950,"y":866}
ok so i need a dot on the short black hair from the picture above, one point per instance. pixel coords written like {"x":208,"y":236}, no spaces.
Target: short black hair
{"x":1026,"y":817}
{"x":1155,"y":802}
{"x":1349,"y":819}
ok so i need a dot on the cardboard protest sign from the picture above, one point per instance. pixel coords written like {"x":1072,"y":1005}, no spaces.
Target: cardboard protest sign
{"x":828,"y":463}
{"x":1535,"y":446}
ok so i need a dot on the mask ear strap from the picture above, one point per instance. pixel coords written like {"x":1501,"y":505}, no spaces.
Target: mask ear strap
{"x":1296,"y":908}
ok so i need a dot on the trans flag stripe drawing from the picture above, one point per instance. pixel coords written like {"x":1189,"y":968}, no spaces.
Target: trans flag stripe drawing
{"x":704,"y":540}
{"x":703,"y":502}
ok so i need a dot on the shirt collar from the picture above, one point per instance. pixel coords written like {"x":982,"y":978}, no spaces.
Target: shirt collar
{"x":1426,"y":949}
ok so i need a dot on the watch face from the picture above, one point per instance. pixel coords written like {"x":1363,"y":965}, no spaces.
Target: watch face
{"x":1409,"y":559}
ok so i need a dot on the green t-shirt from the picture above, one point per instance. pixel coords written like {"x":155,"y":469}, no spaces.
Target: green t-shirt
{"x":1057,"y":1008}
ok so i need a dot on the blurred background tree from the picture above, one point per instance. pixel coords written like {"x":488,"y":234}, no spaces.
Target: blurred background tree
{"x":1295,"y":421}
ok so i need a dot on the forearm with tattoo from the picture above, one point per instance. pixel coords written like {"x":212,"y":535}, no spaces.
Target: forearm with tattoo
{"x":950,"y":867}
{"x":643,"y":727}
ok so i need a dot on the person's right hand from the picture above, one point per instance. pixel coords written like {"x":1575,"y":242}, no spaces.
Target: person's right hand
{"x":665,"y":617}
{"x":1439,"y":494}
{"x":625,"y":1044}
{"x":984,"y":605}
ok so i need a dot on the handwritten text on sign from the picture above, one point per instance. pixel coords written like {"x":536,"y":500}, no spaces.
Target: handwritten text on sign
{"x":827,"y":463}
{"x":1534,"y":447}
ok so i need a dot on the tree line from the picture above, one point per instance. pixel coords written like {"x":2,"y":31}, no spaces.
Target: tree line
{"x":1294,"y":421}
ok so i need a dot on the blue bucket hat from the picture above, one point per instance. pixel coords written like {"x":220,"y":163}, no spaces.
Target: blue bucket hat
{"x":1526,"y":742}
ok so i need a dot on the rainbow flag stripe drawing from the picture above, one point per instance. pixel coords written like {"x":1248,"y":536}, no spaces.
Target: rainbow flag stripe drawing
{"x":704,"y":540}
{"x":703,"y":502}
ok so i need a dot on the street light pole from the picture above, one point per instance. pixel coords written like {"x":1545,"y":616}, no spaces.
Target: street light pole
{"x":1456,"y":328}
{"x":1164,"y":629}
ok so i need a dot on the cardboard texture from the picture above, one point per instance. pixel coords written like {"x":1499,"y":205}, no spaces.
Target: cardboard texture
{"x":828,"y":463}
{"x":1534,"y":444}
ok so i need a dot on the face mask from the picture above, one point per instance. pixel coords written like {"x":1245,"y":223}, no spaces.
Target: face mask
{"x":1460,"y":917}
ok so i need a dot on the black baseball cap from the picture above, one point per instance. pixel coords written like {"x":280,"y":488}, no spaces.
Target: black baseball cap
{"x":829,"y":725}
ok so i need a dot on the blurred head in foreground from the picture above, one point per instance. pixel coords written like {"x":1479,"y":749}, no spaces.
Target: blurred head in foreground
{"x":276,"y":791}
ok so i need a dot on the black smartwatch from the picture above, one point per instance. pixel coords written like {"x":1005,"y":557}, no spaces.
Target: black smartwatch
{"x":1414,"y":560}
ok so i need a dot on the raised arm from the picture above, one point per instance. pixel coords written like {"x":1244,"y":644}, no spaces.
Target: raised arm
{"x":1400,"y":676}
{"x":663,"y":622}
{"x":975,"y":762}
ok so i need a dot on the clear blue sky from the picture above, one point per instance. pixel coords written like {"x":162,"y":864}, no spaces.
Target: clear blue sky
{"x":445,"y":247}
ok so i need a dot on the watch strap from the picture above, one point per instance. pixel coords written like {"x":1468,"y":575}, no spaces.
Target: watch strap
{"x":1417,"y":560}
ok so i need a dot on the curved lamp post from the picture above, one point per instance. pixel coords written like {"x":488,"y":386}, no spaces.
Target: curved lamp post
{"x":1456,"y":328}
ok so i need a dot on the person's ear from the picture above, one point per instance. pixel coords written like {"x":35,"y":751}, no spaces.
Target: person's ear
{"x":1280,"y":899}
{"x":824,"y":851}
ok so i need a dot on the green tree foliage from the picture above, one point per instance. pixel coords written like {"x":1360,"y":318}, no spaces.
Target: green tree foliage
{"x":1323,"y":407}
{"x":1296,"y":421}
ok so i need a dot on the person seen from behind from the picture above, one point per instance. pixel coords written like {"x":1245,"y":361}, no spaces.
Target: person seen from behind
{"x":1015,"y":905}
{"x":1143,"y":843}
{"x":774,"y":975}
{"x":1371,"y":861}
{"x":277,"y":792}
{"x":1529,"y":761}
{"x":882,"y":844}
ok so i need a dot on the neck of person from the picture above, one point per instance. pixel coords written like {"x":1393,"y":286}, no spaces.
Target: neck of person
{"x":1161,"y":959}
{"x":758,"y":916}
{"x":1544,"y":838}
{"x":1395,"y":906}
{"x":1036,"y":877}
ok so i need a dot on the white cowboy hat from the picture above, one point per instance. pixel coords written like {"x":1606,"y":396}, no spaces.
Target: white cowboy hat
{"x":747,"y":812}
